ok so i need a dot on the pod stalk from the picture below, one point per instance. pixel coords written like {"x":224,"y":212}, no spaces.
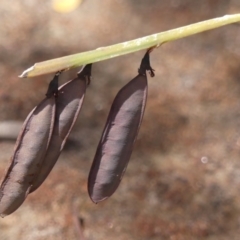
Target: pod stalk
{"x":145,"y":65}
{"x":53,"y":86}
{"x":85,"y":72}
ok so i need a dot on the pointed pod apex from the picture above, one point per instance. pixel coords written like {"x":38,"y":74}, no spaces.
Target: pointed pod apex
{"x":145,"y":65}
{"x":94,"y":201}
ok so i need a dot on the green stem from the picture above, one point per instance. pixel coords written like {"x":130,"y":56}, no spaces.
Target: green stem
{"x":119,"y":49}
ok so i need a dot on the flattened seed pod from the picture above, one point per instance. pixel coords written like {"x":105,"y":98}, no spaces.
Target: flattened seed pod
{"x":30,"y":148}
{"x":120,"y":132}
{"x":69,"y":102}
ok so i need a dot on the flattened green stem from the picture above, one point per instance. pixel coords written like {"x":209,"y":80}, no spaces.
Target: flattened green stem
{"x":119,"y":49}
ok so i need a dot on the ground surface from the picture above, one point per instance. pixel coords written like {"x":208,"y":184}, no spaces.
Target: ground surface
{"x":183,"y":180}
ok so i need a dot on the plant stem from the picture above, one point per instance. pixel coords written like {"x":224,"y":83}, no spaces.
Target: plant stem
{"x":119,"y":49}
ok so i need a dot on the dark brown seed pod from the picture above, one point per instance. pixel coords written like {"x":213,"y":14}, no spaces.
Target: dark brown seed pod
{"x":30,"y":148}
{"x":69,"y":102}
{"x":120,"y":132}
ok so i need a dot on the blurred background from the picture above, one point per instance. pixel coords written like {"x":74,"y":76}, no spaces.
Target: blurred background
{"x":183,"y":180}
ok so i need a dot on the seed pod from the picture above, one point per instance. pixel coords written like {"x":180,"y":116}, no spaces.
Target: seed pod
{"x":120,"y":132}
{"x":30,"y":148}
{"x":69,"y":102}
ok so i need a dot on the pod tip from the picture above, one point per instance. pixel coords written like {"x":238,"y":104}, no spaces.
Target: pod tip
{"x":97,"y":200}
{"x":25,"y":73}
{"x":94,"y":201}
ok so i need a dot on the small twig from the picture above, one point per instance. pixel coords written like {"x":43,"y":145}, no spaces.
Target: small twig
{"x":9,"y":129}
{"x":116,"y":50}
